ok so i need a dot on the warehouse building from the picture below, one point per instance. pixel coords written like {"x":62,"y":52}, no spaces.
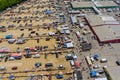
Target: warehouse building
{"x":113,"y":72}
{"x":89,"y":4}
{"x":105,"y":4}
{"x":81,"y":5}
{"x":105,"y":28}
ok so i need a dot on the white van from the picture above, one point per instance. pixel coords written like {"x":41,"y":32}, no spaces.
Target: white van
{"x":103,"y":60}
{"x":72,"y":64}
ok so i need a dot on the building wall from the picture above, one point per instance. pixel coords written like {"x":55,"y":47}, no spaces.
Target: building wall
{"x":108,"y":7}
{"x":107,"y":74}
{"x":77,"y":8}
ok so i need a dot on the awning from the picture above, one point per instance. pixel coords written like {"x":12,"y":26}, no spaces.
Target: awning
{"x":16,"y":54}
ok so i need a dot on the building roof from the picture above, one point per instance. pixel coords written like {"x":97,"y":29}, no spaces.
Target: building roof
{"x":94,"y":20}
{"x":105,"y":33}
{"x":104,"y":4}
{"x":83,"y":4}
{"x":105,"y":27}
{"x":99,"y":20}
{"x":90,"y":4}
{"x":114,"y":72}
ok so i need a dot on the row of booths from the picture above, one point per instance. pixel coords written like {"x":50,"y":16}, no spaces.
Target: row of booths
{"x":64,"y":29}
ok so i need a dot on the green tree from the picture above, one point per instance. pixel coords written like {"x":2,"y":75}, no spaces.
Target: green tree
{"x":9,"y":3}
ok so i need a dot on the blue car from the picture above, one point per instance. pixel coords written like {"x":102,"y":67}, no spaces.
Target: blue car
{"x":58,"y":76}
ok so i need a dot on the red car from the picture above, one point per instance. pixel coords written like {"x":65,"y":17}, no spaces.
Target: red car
{"x":14,"y":68}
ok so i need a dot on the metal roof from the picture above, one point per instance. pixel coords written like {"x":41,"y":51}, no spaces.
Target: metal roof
{"x":114,"y":72}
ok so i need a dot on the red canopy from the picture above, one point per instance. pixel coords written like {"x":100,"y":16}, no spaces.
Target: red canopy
{"x":32,"y":48}
{"x":77,"y":64}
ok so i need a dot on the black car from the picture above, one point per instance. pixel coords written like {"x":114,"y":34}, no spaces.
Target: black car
{"x":48,"y":65}
{"x":77,"y":75}
{"x":69,"y":57}
{"x":118,"y":63}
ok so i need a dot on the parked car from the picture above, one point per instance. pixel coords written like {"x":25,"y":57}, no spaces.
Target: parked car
{"x":20,"y":41}
{"x":100,"y":71}
{"x":92,"y":59}
{"x":11,"y":41}
{"x":77,"y":75}
{"x":14,"y":68}
{"x":51,"y":33}
{"x":103,"y":60}
{"x":48,"y":65}
{"x":11,"y":58}
{"x":59,"y":76}
{"x":38,"y":64}
{"x":74,"y":56}
{"x":37,"y":56}
{"x":96,"y":66}
{"x":118,"y":62}
{"x":27,"y":48}
{"x":69,"y":57}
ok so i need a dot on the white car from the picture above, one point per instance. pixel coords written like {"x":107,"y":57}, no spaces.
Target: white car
{"x":51,"y":33}
{"x":103,"y":60}
{"x":74,"y":56}
{"x":37,"y":56}
{"x":92,"y":59}
{"x":96,"y":66}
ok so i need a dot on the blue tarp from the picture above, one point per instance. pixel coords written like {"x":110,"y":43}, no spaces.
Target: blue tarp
{"x":11,"y":77}
{"x":93,"y":73}
{"x":9,"y":36}
{"x":49,"y":12}
{"x":96,"y":56}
